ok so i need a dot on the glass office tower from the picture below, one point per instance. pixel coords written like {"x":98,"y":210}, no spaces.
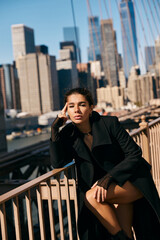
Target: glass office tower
{"x":72,"y":34}
{"x":128,"y":25}
{"x":94,"y":52}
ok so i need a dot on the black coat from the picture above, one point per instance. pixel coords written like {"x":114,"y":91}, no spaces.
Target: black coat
{"x":116,"y":153}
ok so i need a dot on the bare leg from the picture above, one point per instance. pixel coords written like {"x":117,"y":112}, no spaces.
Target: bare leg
{"x":113,"y":220}
{"x":124,"y":214}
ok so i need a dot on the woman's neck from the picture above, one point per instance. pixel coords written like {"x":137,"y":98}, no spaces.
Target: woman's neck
{"x":85,"y":128}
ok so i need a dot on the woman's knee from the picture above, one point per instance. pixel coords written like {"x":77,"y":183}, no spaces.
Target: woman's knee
{"x":89,"y":199}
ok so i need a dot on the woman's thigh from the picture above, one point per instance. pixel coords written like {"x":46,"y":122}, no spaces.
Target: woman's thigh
{"x":126,"y":194}
{"x":115,"y":194}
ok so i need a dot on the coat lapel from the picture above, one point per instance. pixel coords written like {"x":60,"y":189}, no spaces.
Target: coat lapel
{"x":81,"y":149}
{"x":100,"y":133}
{"x":100,"y":137}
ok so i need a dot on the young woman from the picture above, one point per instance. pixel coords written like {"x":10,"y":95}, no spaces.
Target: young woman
{"x":115,"y":188}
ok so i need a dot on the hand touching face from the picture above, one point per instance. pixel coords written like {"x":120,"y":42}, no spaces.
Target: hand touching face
{"x":78,"y":109}
{"x":62,"y":114}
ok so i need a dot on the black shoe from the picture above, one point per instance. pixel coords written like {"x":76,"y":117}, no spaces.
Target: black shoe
{"x":121,"y":236}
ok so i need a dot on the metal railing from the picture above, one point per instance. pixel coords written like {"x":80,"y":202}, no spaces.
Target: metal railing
{"x":54,"y":192}
{"x":148,"y":138}
{"x":47,"y":190}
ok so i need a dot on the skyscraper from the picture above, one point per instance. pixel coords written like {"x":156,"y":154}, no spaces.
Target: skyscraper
{"x":128,"y":26}
{"x":109,"y":53}
{"x":149,"y":56}
{"x":38,"y":83}
{"x":71,"y":46}
{"x":42,"y":49}
{"x":23,"y":40}
{"x":3,"y":142}
{"x":94,"y":49}
{"x":10,"y":86}
{"x":67,"y":74}
{"x":157,"y":50}
{"x":72,"y":34}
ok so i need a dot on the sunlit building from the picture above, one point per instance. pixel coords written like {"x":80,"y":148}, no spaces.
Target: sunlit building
{"x":71,"y":46}
{"x":38,"y":83}
{"x":141,"y":88}
{"x":94,"y":49}
{"x":22,"y":40}
{"x":67,"y":74}
{"x":149,"y":56}
{"x":109,"y":53}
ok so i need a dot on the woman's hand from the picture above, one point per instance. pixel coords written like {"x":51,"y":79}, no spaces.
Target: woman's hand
{"x":99,"y":193}
{"x":63,"y":112}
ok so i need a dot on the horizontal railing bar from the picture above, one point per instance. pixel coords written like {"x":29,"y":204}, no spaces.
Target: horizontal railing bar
{"x":136,"y":131}
{"x":139,"y":130}
{"x":23,"y":188}
{"x":154,"y":122}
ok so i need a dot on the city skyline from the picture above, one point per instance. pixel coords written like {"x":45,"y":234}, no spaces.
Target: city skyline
{"x":49,"y":29}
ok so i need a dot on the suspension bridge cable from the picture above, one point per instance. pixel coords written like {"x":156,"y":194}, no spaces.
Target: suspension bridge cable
{"x":106,"y":8}
{"x":95,"y":28}
{"x":125,"y":34}
{"x":110,"y":8}
{"x":134,"y":29}
{"x":100,"y":8}
{"x":75,"y":29}
{"x":158,"y":5}
{"x":153,"y":19}
{"x":141,"y":22}
{"x":157,"y":15}
{"x":150,"y":28}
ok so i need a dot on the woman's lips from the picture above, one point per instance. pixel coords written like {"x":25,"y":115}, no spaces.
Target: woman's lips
{"x":77,"y":117}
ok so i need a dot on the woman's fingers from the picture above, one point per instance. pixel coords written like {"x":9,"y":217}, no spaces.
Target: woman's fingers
{"x":100,"y":194}
{"x":95,"y":184}
{"x":95,"y":193}
{"x":64,"y":110}
{"x":62,"y":114}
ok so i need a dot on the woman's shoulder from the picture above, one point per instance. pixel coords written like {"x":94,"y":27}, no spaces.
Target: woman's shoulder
{"x":110,"y":119}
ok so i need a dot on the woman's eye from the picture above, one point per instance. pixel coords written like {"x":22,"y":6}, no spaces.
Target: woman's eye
{"x":71,"y":106}
{"x":83,"y":105}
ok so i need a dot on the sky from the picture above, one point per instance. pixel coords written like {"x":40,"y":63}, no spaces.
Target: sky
{"x":48,"y":17}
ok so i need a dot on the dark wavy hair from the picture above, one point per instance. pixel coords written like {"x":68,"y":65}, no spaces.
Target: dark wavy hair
{"x":83,"y":91}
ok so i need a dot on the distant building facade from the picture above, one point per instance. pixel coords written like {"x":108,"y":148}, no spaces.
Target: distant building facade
{"x":67,"y":75}
{"x":141,"y":88}
{"x":94,"y":49}
{"x":109,"y":55}
{"x":149,"y":56}
{"x":71,"y":46}
{"x":42,"y":49}
{"x":87,"y":78}
{"x":10,"y":86}
{"x":3,"y":142}
{"x":72,"y":34}
{"x":22,"y":40}
{"x":157,"y":51}
{"x":38,"y":83}
{"x":129,"y":39}
{"x":110,"y":96}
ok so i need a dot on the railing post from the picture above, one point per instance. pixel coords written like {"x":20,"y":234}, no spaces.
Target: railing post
{"x":145,"y":139}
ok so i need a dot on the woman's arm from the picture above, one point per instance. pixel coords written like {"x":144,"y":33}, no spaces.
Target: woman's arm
{"x":60,"y":149}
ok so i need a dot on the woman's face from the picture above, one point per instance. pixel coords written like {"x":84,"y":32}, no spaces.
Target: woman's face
{"x":78,"y":108}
